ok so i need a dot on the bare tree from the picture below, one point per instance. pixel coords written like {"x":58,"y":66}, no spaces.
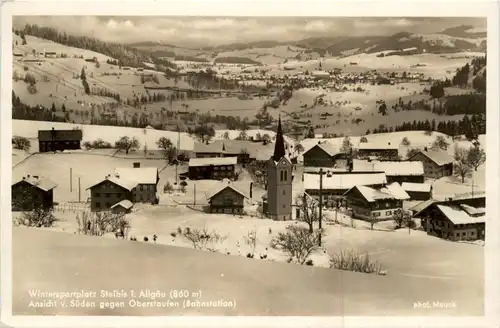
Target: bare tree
{"x":298,"y":242}
{"x":401,"y":218}
{"x":462,"y":169}
{"x":460,"y":154}
{"x":251,"y":240}
{"x":127,"y":144}
{"x":202,"y":239}
{"x":476,"y":157}
{"x":440,"y":143}
{"x":308,"y":209}
{"x":99,"y":223}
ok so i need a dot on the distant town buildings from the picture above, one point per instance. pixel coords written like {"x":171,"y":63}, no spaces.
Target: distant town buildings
{"x":59,"y":140}
{"x":378,"y":150}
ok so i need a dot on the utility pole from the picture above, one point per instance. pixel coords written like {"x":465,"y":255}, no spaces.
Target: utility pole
{"x":472,"y":188}
{"x":320,"y":201}
{"x":194,"y":193}
{"x":70,"y":179}
{"x":79,"y":190}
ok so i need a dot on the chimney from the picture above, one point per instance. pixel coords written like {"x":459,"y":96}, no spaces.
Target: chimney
{"x":425,"y":148}
{"x":137,"y":164}
{"x":28,"y":176}
{"x":251,"y":187}
{"x":24,"y":178}
{"x":35,"y":177}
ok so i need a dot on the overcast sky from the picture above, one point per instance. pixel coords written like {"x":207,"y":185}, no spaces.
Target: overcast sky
{"x":208,"y":31}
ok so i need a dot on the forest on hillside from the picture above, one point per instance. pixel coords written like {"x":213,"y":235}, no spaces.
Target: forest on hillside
{"x":125,"y":55}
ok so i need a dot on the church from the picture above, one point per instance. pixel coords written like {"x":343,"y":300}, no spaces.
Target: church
{"x":278,"y":199}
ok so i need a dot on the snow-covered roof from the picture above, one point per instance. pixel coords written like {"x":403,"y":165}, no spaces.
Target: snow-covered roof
{"x":126,"y":184}
{"x":213,"y":161}
{"x":39,"y":182}
{"x":437,"y":156}
{"x":391,"y":168}
{"x":458,"y":215}
{"x":342,"y":180}
{"x":392,"y":191}
{"x":377,"y":145}
{"x":418,"y":187}
{"x":141,"y":175}
{"x":222,"y":186}
{"x":326,"y":147}
{"x":126,"y":204}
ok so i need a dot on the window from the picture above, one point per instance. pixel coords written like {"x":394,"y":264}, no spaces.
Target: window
{"x":108,"y":205}
{"x":464,"y":234}
{"x":388,"y":213}
{"x":107,"y":195}
{"x":98,"y":204}
{"x":281,"y":175}
{"x":97,"y":194}
{"x":286,"y":177}
{"x":284,"y":206}
{"x":228,"y":200}
{"x":284,"y":192}
{"x":472,"y":233}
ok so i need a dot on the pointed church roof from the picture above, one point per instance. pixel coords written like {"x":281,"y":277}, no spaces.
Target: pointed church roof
{"x":279,"y":146}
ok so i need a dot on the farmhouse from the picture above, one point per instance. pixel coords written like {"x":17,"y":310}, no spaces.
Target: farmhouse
{"x":336,"y":184}
{"x":133,"y":184}
{"x":110,"y":191}
{"x":437,"y":164}
{"x":377,"y":203}
{"x":212,"y":168}
{"x":245,"y":150}
{"x":395,"y":171}
{"x":147,"y":181}
{"x":379,"y":150}
{"x":418,"y":191}
{"x":323,"y":154}
{"x":53,"y":140}
{"x":460,"y":218}
{"x":226,"y":198}
{"x":278,"y":205}
{"x":32,"y":192}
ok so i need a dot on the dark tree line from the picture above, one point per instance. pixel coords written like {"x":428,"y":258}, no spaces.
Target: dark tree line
{"x":126,"y":55}
{"x":21,"y":111}
{"x":471,"y":127}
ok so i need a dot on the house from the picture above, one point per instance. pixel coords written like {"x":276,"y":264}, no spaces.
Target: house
{"x":459,"y":218}
{"x":379,"y":203}
{"x":418,"y":191}
{"x":212,"y":168}
{"x":32,"y":192}
{"x":278,"y":205}
{"x":125,"y":206}
{"x":110,"y":191}
{"x":384,"y":150}
{"x":323,"y":154}
{"x":147,"y":182}
{"x":53,"y":140}
{"x":437,"y":163}
{"x":136,"y":184}
{"x":226,"y":198}
{"x":336,"y":184}
{"x":50,"y":54}
{"x":395,"y":171}
{"x":247,"y":151}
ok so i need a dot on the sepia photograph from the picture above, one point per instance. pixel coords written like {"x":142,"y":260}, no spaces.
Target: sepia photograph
{"x":191,"y":165}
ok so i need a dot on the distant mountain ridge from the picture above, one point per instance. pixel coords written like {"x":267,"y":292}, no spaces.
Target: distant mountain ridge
{"x":451,"y":40}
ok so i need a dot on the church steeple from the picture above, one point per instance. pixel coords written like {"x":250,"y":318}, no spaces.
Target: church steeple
{"x":279,"y":146}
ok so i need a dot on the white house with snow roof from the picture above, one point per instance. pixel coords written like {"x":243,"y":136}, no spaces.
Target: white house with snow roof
{"x":396,"y":171}
{"x":376,"y":203}
{"x":136,"y":184}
